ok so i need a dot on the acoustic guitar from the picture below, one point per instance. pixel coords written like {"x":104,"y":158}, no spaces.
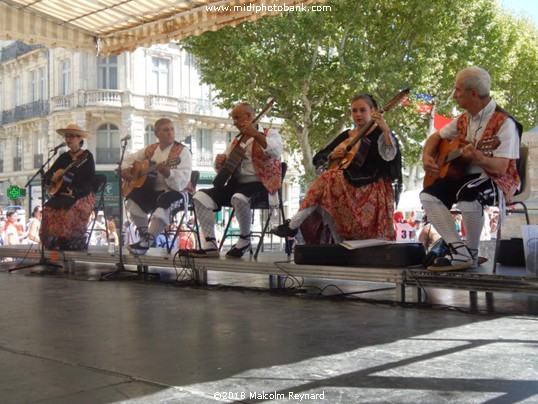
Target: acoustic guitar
{"x":448,"y":158}
{"x":237,"y":153}
{"x":55,"y":186}
{"x":358,"y":155}
{"x":140,"y":172}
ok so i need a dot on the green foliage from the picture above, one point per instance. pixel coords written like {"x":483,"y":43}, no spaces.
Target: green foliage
{"x":313,"y":63}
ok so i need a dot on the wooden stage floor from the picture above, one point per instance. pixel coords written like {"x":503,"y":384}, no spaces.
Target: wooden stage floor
{"x":408,"y":283}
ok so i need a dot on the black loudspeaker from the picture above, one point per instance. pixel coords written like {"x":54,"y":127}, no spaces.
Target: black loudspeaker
{"x":393,"y":255}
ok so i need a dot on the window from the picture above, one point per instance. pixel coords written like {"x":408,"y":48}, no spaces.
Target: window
{"x":203,"y":147}
{"x":149,"y":135}
{"x":189,"y":59}
{"x":108,"y":144}
{"x":107,"y":70}
{"x":17,"y":154}
{"x":38,"y":150}
{"x":34,"y":92}
{"x":17,"y":91}
{"x":65,"y":81}
{"x":159,"y":83}
{"x":43,"y":93}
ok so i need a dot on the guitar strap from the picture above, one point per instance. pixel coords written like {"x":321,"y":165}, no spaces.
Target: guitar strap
{"x":508,"y":182}
{"x":176,"y":150}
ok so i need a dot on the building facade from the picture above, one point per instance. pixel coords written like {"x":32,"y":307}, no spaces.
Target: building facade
{"x":44,"y":89}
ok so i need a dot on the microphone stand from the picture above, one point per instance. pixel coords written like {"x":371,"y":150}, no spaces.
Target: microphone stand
{"x":120,"y":267}
{"x":42,"y":260}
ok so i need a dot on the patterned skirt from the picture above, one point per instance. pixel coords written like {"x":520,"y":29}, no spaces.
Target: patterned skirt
{"x":358,"y":213}
{"x":65,"y":229}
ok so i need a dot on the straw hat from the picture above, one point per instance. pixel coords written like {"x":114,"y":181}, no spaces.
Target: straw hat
{"x":73,"y":129}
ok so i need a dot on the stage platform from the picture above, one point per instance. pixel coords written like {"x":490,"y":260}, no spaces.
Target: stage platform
{"x":408,"y":282}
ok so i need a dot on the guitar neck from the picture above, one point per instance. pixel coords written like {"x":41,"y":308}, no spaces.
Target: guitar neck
{"x":360,"y":135}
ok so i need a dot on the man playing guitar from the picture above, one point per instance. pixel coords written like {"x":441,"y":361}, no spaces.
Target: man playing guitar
{"x":156,"y":194}
{"x":486,"y":180}
{"x":259,"y":173}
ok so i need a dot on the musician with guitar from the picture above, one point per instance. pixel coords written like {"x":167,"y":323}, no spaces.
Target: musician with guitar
{"x":68,"y":182}
{"x":471,"y":162}
{"x":153,"y":179}
{"x":257,"y":152}
{"x":355,"y":195}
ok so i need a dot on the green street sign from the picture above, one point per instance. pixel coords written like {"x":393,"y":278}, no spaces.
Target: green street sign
{"x":14,"y":192}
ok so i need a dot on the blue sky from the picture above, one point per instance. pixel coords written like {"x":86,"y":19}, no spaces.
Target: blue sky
{"x":527,"y":7}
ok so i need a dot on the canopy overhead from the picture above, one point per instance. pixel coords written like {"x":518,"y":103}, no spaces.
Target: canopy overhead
{"x":113,"y":26}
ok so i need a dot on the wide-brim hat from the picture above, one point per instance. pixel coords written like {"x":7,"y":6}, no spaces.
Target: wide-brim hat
{"x":73,"y":129}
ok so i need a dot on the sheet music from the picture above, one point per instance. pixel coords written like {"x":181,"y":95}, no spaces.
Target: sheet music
{"x":354,"y":244}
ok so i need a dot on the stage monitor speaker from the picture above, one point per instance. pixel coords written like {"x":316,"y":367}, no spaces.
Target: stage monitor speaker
{"x":393,"y":255}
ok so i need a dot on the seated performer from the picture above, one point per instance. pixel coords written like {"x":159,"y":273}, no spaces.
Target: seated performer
{"x":357,"y":203}
{"x":485,"y":180}
{"x":259,"y":173}
{"x":167,"y":182}
{"x":69,"y":179}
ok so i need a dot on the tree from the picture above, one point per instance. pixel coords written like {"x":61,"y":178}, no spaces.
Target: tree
{"x":313,"y":63}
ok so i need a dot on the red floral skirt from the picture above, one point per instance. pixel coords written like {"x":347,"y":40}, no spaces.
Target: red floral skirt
{"x":358,"y":213}
{"x":66,"y":228}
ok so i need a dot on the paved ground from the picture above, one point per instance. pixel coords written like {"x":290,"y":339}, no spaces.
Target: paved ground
{"x":67,"y":340}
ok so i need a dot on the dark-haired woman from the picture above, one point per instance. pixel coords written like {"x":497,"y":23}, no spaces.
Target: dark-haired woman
{"x":357,"y":202}
{"x":69,"y":181}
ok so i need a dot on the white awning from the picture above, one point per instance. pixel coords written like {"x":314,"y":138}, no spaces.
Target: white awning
{"x":113,"y":26}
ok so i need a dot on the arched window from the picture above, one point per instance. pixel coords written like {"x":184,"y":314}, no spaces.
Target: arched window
{"x":149,"y":135}
{"x":108,"y":142}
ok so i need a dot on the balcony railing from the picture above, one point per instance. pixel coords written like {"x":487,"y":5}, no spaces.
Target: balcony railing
{"x":107,"y":155}
{"x":117,"y":98}
{"x":103,"y":97}
{"x":62,"y":102}
{"x":203,"y":159}
{"x":16,"y":49}
{"x":26,"y":111}
{"x":162,"y":102}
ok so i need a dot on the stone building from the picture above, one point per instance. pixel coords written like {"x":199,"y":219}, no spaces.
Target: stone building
{"x":44,"y":89}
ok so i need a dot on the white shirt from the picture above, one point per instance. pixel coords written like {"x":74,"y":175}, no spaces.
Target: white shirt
{"x":180,"y":175}
{"x":508,"y":136}
{"x":274,"y":148}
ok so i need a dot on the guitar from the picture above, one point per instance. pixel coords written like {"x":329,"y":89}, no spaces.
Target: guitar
{"x":236,"y":155}
{"x":448,"y":153}
{"x":360,"y":155}
{"x":140,"y":171}
{"x":63,"y":174}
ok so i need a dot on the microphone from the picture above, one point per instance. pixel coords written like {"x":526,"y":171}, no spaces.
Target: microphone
{"x":125,"y":138}
{"x":58,"y":147}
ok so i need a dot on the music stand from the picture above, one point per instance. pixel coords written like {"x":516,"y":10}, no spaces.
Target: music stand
{"x":42,"y":260}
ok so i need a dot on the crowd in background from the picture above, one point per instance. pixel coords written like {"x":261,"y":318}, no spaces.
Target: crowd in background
{"x":410,"y":228}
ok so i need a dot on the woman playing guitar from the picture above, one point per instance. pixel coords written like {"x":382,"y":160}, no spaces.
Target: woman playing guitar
{"x":69,"y":181}
{"x":356,"y":197}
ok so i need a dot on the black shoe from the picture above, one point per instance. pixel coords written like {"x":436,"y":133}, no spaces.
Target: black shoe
{"x":213,"y":251}
{"x":138,"y":249}
{"x":209,"y":253}
{"x":284,"y":230}
{"x":238,"y":252}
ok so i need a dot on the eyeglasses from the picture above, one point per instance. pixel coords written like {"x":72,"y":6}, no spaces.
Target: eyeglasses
{"x":71,"y":136}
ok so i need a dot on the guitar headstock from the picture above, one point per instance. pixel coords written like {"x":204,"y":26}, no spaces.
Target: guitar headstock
{"x":397,"y":100}
{"x":488,"y":145}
